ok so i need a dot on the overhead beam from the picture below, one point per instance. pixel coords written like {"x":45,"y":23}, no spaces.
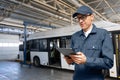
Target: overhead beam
{"x":111,"y":8}
{"x":39,"y":10}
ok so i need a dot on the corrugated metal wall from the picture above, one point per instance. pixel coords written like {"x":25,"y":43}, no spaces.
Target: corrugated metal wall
{"x":9,"y":46}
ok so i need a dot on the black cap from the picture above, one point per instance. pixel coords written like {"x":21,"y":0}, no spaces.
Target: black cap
{"x":84,"y":10}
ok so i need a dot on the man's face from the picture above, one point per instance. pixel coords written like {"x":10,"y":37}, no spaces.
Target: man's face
{"x":85,"y":21}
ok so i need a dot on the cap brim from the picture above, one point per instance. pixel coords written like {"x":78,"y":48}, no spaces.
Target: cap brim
{"x":75,"y":14}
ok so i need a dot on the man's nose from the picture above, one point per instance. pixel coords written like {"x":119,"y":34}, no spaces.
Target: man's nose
{"x":80,"y":20}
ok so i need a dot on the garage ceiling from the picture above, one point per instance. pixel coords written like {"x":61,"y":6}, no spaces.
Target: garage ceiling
{"x":42,"y":15}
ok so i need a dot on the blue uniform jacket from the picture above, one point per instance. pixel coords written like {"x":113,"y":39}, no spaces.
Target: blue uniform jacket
{"x":98,"y":49}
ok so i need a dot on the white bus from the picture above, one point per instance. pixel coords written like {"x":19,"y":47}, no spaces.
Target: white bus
{"x":42,"y":46}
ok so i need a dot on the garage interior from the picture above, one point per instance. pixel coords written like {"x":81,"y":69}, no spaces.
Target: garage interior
{"x":42,"y":15}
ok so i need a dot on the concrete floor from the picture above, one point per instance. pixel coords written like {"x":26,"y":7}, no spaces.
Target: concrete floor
{"x":10,"y":70}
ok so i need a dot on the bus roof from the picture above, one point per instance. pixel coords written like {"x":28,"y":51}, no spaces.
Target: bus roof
{"x":69,"y":30}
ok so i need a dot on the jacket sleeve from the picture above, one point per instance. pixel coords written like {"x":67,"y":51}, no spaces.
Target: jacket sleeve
{"x":106,"y":61}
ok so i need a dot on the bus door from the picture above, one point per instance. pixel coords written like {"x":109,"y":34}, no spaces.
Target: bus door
{"x":115,"y":70}
{"x":54,"y":55}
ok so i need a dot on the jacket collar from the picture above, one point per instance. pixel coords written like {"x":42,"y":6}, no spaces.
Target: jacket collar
{"x":94,"y":30}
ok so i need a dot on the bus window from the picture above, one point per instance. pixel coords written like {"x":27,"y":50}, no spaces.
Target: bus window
{"x":35,"y":45}
{"x":65,"y":42}
{"x":43,"y":45}
{"x":21,"y":48}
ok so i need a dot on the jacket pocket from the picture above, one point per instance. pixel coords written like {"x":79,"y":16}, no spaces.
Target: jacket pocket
{"x":93,"y":51}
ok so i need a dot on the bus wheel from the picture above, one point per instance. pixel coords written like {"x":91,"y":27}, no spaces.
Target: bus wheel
{"x":36,"y":62}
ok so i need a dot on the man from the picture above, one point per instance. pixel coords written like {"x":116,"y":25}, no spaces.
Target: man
{"x":93,"y":47}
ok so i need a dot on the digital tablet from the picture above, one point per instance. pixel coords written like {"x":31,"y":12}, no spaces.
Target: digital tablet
{"x":66,"y":51}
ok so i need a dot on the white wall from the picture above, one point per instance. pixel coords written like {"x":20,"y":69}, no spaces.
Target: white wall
{"x":9,"y":46}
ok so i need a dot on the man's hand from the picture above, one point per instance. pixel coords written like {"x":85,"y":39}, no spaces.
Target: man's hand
{"x":79,"y":58}
{"x":68,"y":60}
